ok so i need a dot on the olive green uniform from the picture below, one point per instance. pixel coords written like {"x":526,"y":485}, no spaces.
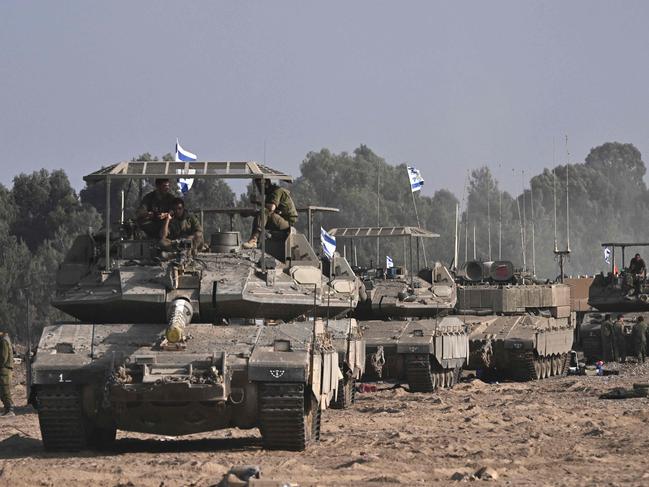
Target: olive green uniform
{"x":639,"y":336}
{"x":608,"y":341}
{"x":6,"y":368}
{"x":619,"y":341}
{"x":157,"y":203}
{"x":184,"y":227}
{"x":285,"y":214}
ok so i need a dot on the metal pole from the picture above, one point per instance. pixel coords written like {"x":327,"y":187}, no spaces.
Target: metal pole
{"x":310,"y":223}
{"x":262,"y":219}
{"x":121,"y":207}
{"x":417,"y":242}
{"x":412,"y":282}
{"x":107,"y":223}
{"x":414,"y":204}
{"x":489,"y":220}
{"x":474,"y":246}
{"x":202,"y":219}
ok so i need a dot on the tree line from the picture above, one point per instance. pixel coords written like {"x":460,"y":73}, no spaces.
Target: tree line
{"x":608,"y":200}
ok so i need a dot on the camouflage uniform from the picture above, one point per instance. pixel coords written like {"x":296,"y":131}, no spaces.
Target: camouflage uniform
{"x":6,"y":368}
{"x":285,"y":214}
{"x":184,"y":227}
{"x":156,"y":202}
{"x":619,"y":341}
{"x":608,"y":341}
{"x":639,"y":336}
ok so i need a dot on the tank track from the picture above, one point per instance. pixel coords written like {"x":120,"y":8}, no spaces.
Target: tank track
{"x":346,"y":394}
{"x":288,"y":418}
{"x":527,"y":366}
{"x":423,"y":377}
{"x":63,"y":425}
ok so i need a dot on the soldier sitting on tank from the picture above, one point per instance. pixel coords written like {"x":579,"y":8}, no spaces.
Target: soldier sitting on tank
{"x":638,"y":270}
{"x":180,"y":224}
{"x":154,"y":208}
{"x":279,"y":212}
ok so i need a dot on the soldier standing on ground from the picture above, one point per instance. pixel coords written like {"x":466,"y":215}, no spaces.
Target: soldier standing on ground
{"x":6,"y":368}
{"x":619,"y":339}
{"x":608,"y":340}
{"x":155,"y":207}
{"x":279,"y":212}
{"x":639,"y":335}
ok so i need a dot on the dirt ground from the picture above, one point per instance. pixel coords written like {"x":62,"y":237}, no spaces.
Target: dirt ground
{"x":552,"y":432}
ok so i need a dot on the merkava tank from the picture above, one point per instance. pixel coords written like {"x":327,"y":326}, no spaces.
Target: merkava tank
{"x":591,"y":333}
{"x":618,"y":292}
{"x":150,"y":352}
{"x":341,"y":294}
{"x":407,"y":338}
{"x":520,"y":327}
{"x":623,"y":291}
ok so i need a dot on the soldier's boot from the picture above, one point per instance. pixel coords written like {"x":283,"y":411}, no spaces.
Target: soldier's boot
{"x":252,"y":243}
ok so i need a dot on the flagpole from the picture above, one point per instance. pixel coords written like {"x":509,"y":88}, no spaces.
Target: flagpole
{"x":417,"y":216}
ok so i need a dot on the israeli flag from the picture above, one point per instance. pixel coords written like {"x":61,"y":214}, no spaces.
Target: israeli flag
{"x":328,"y":243}
{"x":607,"y":255}
{"x":388,"y":262}
{"x":416,"y":181}
{"x":183,"y":155}
{"x":185,"y":184}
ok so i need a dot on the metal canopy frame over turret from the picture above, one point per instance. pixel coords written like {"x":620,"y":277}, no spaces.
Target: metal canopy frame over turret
{"x":623,"y":246}
{"x":248,"y":212}
{"x":385,"y":232}
{"x":195,"y":170}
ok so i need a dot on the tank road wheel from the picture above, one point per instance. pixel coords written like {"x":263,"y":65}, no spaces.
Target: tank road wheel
{"x":538,"y":369}
{"x":289,"y":418}
{"x":60,"y":415}
{"x":556,"y":365}
{"x":564,"y":361}
{"x":346,"y":393}
{"x":545,"y":367}
{"x":419,"y":373}
{"x":449,"y":378}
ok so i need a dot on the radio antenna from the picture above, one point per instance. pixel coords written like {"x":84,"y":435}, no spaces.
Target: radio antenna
{"x":567,"y":197}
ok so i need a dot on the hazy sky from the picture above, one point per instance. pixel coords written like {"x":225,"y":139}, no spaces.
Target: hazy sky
{"x":446,"y":86}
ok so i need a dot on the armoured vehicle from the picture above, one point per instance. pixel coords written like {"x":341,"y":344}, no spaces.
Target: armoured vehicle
{"x":349,"y":342}
{"x":520,"y":327}
{"x":591,"y":334}
{"x":621,"y":291}
{"x":403,"y":340}
{"x":151,"y":352}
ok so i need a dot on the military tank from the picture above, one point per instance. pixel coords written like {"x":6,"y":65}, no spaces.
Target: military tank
{"x":157,"y":349}
{"x":619,"y":291}
{"x":591,"y":333}
{"x":406,"y":335}
{"x":519,"y":327}
{"x":616,"y":292}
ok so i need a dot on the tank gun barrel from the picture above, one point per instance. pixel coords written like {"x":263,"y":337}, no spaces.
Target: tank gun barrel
{"x":180,"y":315}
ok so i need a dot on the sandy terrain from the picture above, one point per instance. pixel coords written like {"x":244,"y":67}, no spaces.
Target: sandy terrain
{"x":553,"y":432}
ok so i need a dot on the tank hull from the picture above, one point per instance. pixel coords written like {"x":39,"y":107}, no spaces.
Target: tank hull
{"x":521,"y":347}
{"x":123,"y":376}
{"x":425,"y":353}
